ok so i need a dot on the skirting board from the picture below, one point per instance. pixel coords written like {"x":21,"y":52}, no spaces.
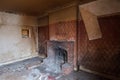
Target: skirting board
{"x":12,"y":61}
{"x":97,"y":73}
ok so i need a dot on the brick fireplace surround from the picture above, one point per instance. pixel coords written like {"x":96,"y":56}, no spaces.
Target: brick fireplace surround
{"x":59,"y":56}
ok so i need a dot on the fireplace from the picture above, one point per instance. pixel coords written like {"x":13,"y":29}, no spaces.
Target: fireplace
{"x":59,"y":53}
{"x":63,"y":49}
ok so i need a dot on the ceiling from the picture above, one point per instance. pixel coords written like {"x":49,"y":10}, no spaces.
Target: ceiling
{"x":33,"y":7}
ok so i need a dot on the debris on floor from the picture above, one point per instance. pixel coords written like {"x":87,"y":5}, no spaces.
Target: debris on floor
{"x":19,"y":71}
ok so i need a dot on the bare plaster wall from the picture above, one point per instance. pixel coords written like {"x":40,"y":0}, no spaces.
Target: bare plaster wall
{"x":66,"y":14}
{"x":44,"y":21}
{"x":91,"y":25}
{"x":12,"y":45}
{"x":102,"y":7}
{"x":91,"y":11}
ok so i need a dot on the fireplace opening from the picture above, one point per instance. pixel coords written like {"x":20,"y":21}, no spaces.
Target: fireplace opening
{"x":61,"y":55}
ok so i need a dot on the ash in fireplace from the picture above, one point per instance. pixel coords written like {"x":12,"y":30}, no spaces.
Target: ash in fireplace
{"x":54,"y":62}
{"x":60,"y":55}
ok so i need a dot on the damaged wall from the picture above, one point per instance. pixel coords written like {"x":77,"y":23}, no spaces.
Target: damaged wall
{"x":101,"y":55}
{"x":43,"y":35}
{"x":43,"y":21}
{"x":12,"y":46}
{"x":102,"y":7}
{"x":62,"y":26}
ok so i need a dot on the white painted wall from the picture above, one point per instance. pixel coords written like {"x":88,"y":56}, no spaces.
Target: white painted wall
{"x":12,"y":45}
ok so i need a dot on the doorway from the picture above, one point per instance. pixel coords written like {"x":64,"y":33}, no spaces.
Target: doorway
{"x":42,"y":41}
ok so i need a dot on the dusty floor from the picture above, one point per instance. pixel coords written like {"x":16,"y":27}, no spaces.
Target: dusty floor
{"x":31,"y":70}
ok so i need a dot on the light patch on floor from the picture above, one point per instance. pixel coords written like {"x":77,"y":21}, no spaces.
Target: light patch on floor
{"x":32,"y":69}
